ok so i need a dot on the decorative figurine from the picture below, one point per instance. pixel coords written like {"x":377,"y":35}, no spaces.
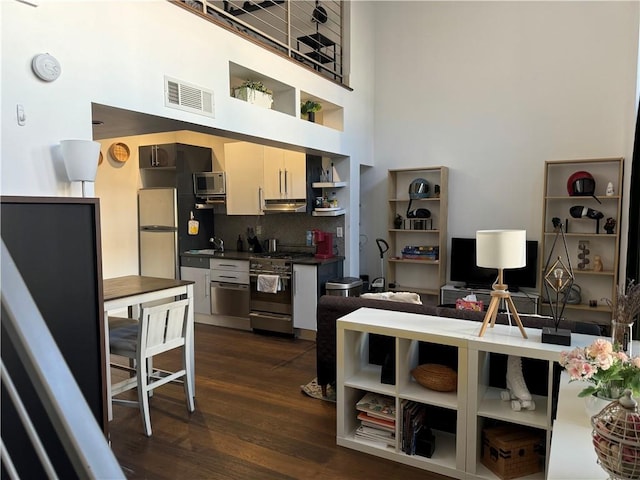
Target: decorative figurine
{"x":583,"y":254}
{"x":609,"y":191}
{"x":597,"y":263}
{"x":610,"y":225}
{"x":397,"y":222}
{"x":557,"y":223}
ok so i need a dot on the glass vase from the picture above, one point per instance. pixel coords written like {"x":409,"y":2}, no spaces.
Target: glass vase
{"x":593,"y":404}
{"x":621,"y":335}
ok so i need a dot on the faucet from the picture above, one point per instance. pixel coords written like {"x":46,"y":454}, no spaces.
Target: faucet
{"x":218,"y":244}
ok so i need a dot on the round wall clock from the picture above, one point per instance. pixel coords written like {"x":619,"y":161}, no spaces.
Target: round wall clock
{"x":46,"y":67}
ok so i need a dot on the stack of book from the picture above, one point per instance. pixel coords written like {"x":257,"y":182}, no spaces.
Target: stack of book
{"x":377,"y":415}
{"x":417,"y":438}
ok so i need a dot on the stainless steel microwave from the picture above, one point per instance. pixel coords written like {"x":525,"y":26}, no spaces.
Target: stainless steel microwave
{"x":206,"y":184}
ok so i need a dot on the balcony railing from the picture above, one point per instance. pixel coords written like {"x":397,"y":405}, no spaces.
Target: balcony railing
{"x":309,"y":32}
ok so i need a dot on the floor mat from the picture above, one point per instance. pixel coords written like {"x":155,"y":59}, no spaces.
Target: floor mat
{"x":315,"y":391}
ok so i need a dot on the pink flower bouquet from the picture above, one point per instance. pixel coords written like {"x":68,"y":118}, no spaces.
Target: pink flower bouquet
{"x":609,"y":371}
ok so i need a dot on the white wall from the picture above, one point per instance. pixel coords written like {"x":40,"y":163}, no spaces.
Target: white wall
{"x":117,"y":53}
{"x":492,"y":90}
{"x":504,"y":87}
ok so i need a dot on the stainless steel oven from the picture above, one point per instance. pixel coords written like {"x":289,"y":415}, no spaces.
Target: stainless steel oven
{"x":271,"y":311}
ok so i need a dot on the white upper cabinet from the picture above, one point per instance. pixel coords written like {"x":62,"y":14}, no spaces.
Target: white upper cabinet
{"x":244,"y":164}
{"x":284,"y":174}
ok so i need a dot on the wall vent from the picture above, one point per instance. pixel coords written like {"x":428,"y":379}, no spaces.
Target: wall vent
{"x":188,"y":97}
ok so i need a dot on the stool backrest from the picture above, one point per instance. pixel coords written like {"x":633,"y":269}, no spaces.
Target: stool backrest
{"x":163,"y":327}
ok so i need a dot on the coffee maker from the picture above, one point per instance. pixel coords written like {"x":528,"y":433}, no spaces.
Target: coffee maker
{"x":324,"y":244}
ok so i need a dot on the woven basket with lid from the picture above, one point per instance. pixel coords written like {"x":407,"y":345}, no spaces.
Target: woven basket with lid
{"x":616,"y":438}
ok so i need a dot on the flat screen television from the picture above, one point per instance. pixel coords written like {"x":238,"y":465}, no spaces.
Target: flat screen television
{"x":465,"y":270}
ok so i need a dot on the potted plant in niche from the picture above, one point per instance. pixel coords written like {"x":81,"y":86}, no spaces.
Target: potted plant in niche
{"x":310,"y":108}
{"x":254,"y":92}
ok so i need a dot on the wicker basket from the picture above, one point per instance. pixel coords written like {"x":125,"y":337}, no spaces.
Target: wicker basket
{"x":436,"y":377}
{"x":616,"y":438}
{"x":119,"y":152}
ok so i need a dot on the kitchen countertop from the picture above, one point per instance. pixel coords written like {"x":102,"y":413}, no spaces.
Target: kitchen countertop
{"x":234,"y":255}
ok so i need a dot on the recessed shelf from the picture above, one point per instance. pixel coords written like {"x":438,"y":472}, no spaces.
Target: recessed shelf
{"x":328,"y":213}
{"x":331,"y":115}
{"x":283,"y":94}
{"x":328,"y":184}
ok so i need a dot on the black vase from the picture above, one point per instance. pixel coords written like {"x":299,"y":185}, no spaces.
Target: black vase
{"x":311,"y":116}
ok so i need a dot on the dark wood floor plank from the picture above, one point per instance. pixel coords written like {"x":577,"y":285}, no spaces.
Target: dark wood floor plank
{"x":251,"y":419}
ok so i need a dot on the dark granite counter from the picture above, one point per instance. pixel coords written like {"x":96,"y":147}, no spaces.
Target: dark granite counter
{"x":234,"y":255}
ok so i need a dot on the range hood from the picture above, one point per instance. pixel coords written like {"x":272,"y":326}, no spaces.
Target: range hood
{"x":285,"y":206}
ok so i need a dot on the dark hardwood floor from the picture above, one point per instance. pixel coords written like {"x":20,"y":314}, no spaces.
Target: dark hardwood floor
{"x":251,"y":421}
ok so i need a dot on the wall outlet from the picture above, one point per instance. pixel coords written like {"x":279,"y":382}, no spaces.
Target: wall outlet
{"x":258,"y":230}
{"x":339,"y":232}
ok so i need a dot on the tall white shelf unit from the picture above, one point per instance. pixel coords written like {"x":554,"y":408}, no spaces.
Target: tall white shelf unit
{"x":421,"y":276}
{"x":475,"y":402}
{"x":594,"y":285}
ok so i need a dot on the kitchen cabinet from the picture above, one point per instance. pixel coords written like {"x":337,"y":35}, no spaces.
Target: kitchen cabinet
{"x":594,"y":284}
{"x":173,"y":165}
{"x":475,"y":404}
{"x":407,"y":268}
{"x":244,"y":165}
{"x":285,"y":175}
{"x":198,"y":272}
{"x":256,"y":173}
{"x":157,"y":156}
{"x":305,"y":297}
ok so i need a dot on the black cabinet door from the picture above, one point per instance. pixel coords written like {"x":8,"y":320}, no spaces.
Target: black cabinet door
{"x":157,"y":156}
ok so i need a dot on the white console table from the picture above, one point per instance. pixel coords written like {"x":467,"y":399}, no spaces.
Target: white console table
{"x":474,"y":403}
{"x":572,"y":454}
{"x":525,"y":302}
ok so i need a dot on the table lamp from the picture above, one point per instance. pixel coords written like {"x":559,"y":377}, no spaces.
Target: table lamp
{"x":558,"y":280}
{"x":80,"y":160}
{"x":501,"y":249}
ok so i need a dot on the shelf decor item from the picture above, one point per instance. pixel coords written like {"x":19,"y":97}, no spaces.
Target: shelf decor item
{"x":119,"y":152}
{"x":625,"y":310}
{"x":511,"y":451}
{"x":434,"y":376}
{"x":583,"y":254}
{"x":501,"y":249}
{"x":616,"y":438}
{"x":558,"y":284}
{"x":309,"y":108}
{"x":254,"y":92}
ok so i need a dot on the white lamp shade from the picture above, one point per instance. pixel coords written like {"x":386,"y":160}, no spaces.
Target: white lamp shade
{"x":501,"y":248}
{"x":80,"y":159}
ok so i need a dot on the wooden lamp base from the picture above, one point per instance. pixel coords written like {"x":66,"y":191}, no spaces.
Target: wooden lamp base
{"x":499,"y":292}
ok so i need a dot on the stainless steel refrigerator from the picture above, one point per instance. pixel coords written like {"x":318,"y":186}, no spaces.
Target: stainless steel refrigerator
{"x":158,"y":232}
